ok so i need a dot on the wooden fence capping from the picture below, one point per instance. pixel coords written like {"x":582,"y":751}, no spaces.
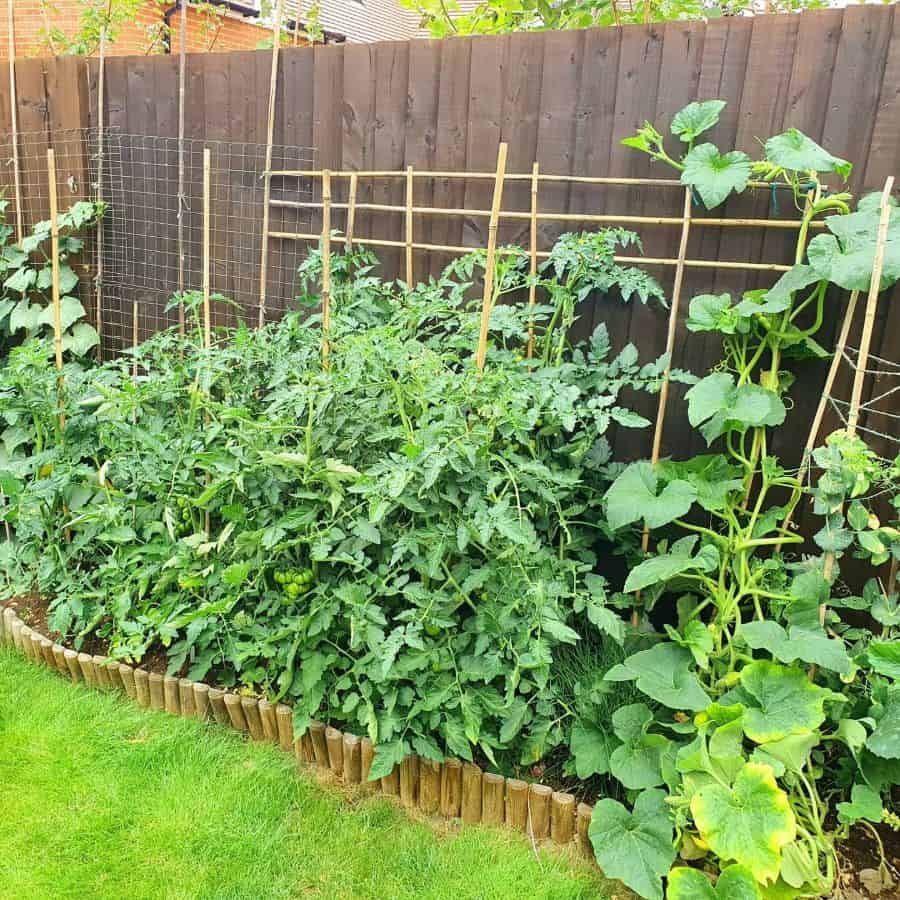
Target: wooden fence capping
{"x":471,"y":794}
{"x":71,"y":658}
{"x":533,"y":249}
{"x":408,"y":235}
{"x":539,"y":811}
{"x":451,"y":788}
{"x":219,"y":707}
{"x":157,"y":694}
{"x":86,"y":664}
{"x":254,"y":719}
{"x":202,"y":710}
{"x":409,"y":780}
{"x":320,"y":745}
{"x":481,"y":353}
{"x":126,"y":673}
{"x":493,"y":800}
{"x":186,"y":697}
{"x":865,"y":341}
{"x":429,"y":787}
{"x":269,"y":721}
{"x":582,"y":824}
{"x":236,"y":713}
{"x":352,"y":759}
{"x":390,"y":784}
{"x":334,"y":741}
{"x":562,"y":818}
{"x":517,"y":804}
{"x":267,"y":174}
{"x":142,"y":687}
{"x":47,"y":652}
{"x":326,"y":265}
{"x":170,"y":692}
{"x":351,"y":213}
{"x":59,"y":659}
{"x":366,"y":755}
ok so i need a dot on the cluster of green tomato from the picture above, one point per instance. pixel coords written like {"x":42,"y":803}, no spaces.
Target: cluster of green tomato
{"x":294,"y":582}
{"x":184,"y":524}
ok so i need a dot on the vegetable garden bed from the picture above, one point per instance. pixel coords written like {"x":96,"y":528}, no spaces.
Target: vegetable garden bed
{"x":405,"y":517}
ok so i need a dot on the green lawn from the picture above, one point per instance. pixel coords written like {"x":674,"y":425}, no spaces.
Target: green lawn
{"x":100,"y":799}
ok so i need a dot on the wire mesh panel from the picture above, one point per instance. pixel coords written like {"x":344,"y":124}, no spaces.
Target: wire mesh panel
{"x":152,"y":232}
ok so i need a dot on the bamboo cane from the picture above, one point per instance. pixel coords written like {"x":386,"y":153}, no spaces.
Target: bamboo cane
{"x":14,"y":108}
{"x":182,"y":202}
{"x":267,"y":175}
{"x":409,"y":226}
{"x":593,"y":218}
{"x":101,"y":112}
{"x":670,"y":349}
{"x":487,"y":299}
{"x":207,"y":325}
{"x":731,"y":265}
{"x":865,"y":342}
{"x":326,"y":267}
{"x":54,"y":263}
{"x":351,"y":213}
{"x":533,"y":251}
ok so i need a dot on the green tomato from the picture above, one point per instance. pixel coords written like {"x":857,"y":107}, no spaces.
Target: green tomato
{"x":292,"y":590}
{"x":279,"y":577}
{"x":435,"y":667}
{"x":432,"y":630}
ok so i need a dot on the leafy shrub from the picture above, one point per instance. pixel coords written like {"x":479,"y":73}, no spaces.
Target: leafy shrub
{"x":398,"y":543}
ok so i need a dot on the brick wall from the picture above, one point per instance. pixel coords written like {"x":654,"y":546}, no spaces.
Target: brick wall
{"x":142,"y":35}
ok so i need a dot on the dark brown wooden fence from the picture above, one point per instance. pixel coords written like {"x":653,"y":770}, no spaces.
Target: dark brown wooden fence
{"x":564,"y":99}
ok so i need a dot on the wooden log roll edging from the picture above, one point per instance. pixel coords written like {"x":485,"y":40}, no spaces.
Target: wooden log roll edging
{"x":452,"y":789}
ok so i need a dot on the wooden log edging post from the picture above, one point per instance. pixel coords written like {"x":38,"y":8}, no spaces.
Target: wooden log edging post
{"x":451,"y":789}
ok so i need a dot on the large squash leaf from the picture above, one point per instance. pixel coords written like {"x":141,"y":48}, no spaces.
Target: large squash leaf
{"x":735,"y":883}
{"x":635,"y":495}
{"x":715,"y":175}
{"x":792,"y":149}
{"x":749,"y":822}
{"x":664,"y":674}
{"x":781,"y":701}
{"x":635,"y":847}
